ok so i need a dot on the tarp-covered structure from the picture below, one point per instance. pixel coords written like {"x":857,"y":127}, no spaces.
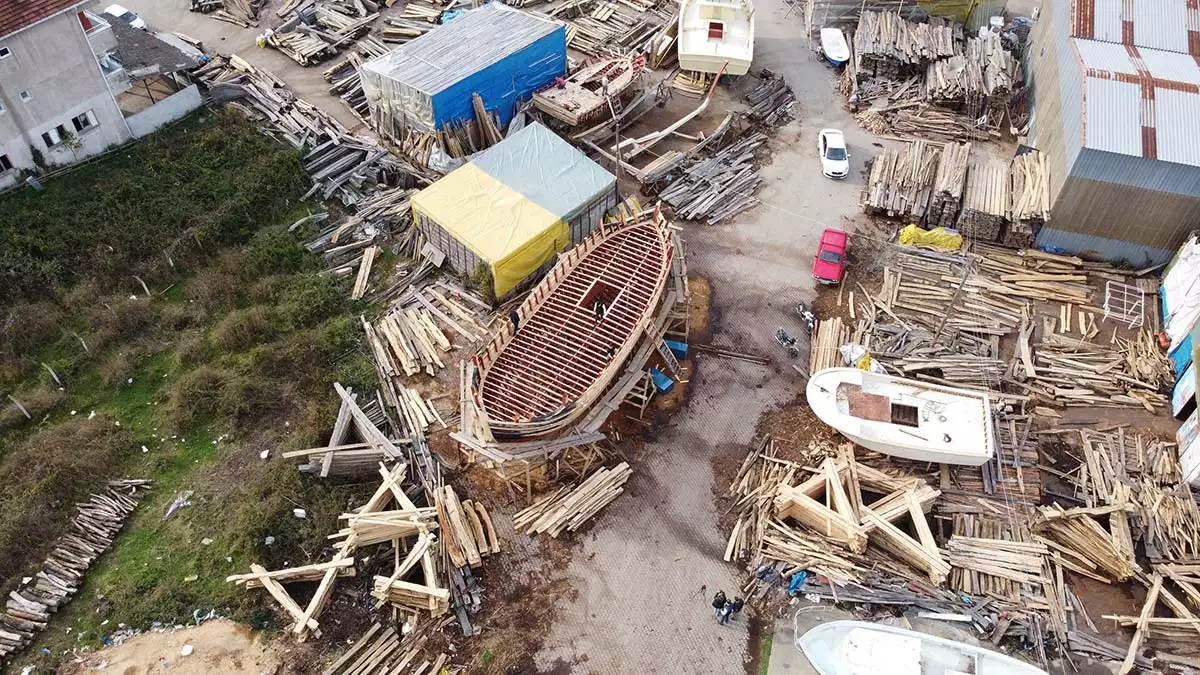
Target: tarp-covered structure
{"x":515,"y":206}
{"x":500,"y":53}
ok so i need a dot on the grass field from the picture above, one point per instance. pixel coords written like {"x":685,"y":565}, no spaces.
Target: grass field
{"x":233,"y":353}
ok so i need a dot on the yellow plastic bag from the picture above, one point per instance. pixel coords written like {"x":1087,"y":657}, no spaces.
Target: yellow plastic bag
{"x":939,"y":238}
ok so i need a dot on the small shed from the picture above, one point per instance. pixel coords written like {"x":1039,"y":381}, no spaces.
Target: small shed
{"x":515,"y":206}
{"x":500,"y":53}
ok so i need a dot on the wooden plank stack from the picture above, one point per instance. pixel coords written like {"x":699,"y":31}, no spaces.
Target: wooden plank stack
{"x":568,"y":509}
{"x":93,"y":528}
{"x":948,"y":186}
{"x":720,"y":186}
{"x":994,"y":558}
{"x":887,"y":45}
{"x":1029,"y":201}
{"x":338,"y":163}
{"x":985,"y":201}
{"x":825,"y":344}
{"x":902,"y":180}
{"x":383,"y":650}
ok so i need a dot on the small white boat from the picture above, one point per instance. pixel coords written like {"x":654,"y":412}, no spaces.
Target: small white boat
{"x":905,"y":418}
{"x":861,"y":648}
{"x":833,"y":46}
{"x":713,"y":33}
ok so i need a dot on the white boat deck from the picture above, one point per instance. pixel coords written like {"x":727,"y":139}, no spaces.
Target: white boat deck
{"x":906,"y":418}
{"x":715,"y":32}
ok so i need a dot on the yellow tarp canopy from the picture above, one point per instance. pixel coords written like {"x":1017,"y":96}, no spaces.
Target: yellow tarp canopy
{"x":511,"y":234}
{"x":937,"y":238}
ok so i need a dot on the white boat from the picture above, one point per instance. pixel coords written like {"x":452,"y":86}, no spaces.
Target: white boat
{"x":861,"y":648}
{"x":905,"y":418}
{"x":713,"y":33}
{"x":833,"y":46}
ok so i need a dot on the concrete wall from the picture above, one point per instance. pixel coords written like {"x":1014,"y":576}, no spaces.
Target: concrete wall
{"x":165,"y":111}
{"x":54,"y":61}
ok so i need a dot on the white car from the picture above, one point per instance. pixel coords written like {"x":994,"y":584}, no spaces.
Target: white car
{"x":121,"y":14}
{"x":835,"y":160}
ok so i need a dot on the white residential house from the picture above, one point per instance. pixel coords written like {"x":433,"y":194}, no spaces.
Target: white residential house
{"x":58,"y":85}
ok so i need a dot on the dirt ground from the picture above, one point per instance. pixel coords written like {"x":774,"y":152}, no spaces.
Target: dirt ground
{"x":217,"y":647}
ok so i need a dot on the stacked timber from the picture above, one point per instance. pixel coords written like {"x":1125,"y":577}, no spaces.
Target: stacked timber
{"x":399,"y":30}
{"x":383,"y":650}
{"x":568,"y":509}
{"x":1029,"y":200}
{"x":1085,"y":544}
{"x":345,"y":456}
{"x":720,"y":186}
{"x":902,"y":180}
{"x":923,"y":121}
{"x":985,"y":201}
{"x":602,"y":28}
{"x":994,"y":558}
{"x":885,"y":44}
{"x":92,"y":531}
{"x":1077,"y":372}
{"x":948,"y":186}
{"x":338,"y":163}
{"x":771,"y":101}
{"x":467,"y":530}
{"x":982,"y":74}
{"x":824,"y":347}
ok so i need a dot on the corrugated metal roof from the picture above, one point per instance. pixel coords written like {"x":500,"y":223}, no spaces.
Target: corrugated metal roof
{"x":1154,"y":24}
{"x":464,"y":46}
{"x":1113,"y":120}
{"x":1176,"y":115}
{"x":1171,"y":66}
{"x":1104,"y":56}
{"x":18,"y":14}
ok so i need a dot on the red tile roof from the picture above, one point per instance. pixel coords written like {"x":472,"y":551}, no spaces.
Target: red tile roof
{"x":17,"y":14}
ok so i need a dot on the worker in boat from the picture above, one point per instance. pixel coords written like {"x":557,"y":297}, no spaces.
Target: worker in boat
{"x":600,"y":309}
{"x":514,"y":318}
{"x":610,"y":353}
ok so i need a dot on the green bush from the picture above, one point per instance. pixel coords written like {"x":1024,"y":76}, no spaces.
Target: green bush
{"x":243,"y":328}
{"x":274,"y":250}
{"x":41,"y":479}
{"x":211,"y":179}
{"x":308,"y":299}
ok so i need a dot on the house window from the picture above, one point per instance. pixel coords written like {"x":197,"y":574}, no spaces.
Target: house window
{"x":5,"y":52}
{"x":54,"y":136}
{"x":85,"y":121}
{"x":5,"y":165}
{"x":26,"y":97}
{"x":716,"y":30}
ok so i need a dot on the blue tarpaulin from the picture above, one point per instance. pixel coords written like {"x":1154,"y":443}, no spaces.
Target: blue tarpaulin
{"x":662,"y":382}
{"x":500,"y":53}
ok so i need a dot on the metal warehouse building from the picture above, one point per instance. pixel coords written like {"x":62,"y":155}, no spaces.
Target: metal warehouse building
{"x":1117,"y":112}
{"x":500,"y":53}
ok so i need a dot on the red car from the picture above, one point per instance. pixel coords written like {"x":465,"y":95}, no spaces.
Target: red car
{"x":831,"y":257}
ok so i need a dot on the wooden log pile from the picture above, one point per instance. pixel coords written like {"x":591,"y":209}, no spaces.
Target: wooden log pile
{"x":924,"y":121}
{"x":824,"y":348}
{"x":771,"y":102}
{"x":568,"y":509}
{"x":242,"y":13}
{"x":318,"y":29}
{"x":396,"y":30}
{"x":720,"y":186}
{"x":338,"y":163}
{"x":599,"y":27}
{"x":985,"y":201}
{"x":983,"y":74}
{"x":1085,"y":545}
{"x":948,"y":185}
{"x":995,"y":558}
{"x":887,"y":45}
{"x":93,"y":528}
{"x":1029,"y":199}
{"x":901,"y":180}
{"x":383,"y":650}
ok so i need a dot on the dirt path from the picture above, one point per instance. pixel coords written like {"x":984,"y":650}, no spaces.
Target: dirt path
{"x":217,"y":647}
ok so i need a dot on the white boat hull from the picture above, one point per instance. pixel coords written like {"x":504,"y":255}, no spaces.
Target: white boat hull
{"x":904,"y":418}
{"x":833,"y":46}
{"x":699,"y":48}
{"x":861,"y":648}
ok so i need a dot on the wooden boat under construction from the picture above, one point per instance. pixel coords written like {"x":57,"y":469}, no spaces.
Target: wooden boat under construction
{"x":573,"y":333}
{"x":582,"y":98}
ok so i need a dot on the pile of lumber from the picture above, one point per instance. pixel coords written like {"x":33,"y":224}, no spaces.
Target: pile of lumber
{"x":93,"y":528}
{"x":399,"y":30}
{"x":981,"y":75}
{"x":901,"y":180}
{"x":568,"y":509}
{"x":771,"y":102}
{"x":923,"y":121}
{"x":383,"y":650}
{"x":383,"y":215}
{"x":242,"y":13}
{"x":466,"y":527}
{"x":390,"y":517}
{"x":886,"y":44}
{"x":985,"y":201}
{"x":599,"y":28}
{"x":995,"y":558}
{"x":948,"y":186}
{"x":1077,"y":372}
{"x":1029,"y":201}
{"x":1085,"y":545}
{"x":720,"y":186}
{"x":315,"y":30}
{"x":340,"y":456}
{"x":338,"y":163}
{"x":824,"y":347}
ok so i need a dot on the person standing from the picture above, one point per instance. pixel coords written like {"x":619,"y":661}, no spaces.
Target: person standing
{"x":718,"y":604}
{"x":726,"y":613}
{"x":737,"y":604}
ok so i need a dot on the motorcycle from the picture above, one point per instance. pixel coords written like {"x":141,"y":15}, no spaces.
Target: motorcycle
{"x":787,"y":341}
